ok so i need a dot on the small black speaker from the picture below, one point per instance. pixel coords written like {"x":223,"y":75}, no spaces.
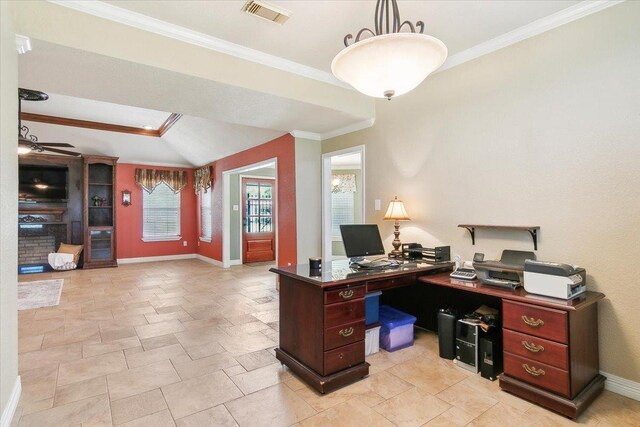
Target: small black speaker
{"x":447,"y":334}
{"x":491,"y":356}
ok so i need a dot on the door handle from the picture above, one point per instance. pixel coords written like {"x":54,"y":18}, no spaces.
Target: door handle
{"x":533,"y":348}
{"x":533,"y":371}
{"x":346,"y":294}
{"x":346,"y":332}
{"x":534,"y":323}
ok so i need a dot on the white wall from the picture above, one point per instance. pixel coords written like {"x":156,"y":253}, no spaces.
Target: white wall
{"x":308,"y":199}
{"x":545,"y":132}
{"x":9,"y":215}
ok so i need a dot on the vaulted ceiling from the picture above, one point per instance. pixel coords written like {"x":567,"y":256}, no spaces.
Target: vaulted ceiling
{"x":238,"y":80}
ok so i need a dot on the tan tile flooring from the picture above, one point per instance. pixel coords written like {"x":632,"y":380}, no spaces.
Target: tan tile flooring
{"x":185,"y":343}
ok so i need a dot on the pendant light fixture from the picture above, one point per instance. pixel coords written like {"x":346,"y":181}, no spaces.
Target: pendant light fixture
{"x":389,"y":62}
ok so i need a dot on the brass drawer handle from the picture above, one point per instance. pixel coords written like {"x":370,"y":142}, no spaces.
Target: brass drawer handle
{"x":533,"y":371}
{"x":533,"y":323}
{"x":532,"y":347}
{"x":346,"y":332}
{"x":346,"y":294}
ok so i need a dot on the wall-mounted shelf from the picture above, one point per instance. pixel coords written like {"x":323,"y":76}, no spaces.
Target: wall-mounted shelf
{"x":532,"y":229}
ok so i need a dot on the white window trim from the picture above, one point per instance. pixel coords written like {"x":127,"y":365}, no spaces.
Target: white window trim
{"x":199,"y":197}
{"x":162,"y":239}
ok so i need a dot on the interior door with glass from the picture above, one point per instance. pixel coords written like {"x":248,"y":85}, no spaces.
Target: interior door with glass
{"x":258,"y":220}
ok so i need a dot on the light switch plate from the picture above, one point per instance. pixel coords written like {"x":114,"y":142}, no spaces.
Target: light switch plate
{"x":377,"y":204}
{"x":235,"y":207}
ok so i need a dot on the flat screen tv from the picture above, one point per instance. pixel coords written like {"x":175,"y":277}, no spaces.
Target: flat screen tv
{"x":43,"y":183}
{"x":361,"y":240}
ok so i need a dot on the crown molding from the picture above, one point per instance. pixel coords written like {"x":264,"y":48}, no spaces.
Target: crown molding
{"x":306,"y":135}
{"x":146,"y":23}
{"x":166,"y":29}
{"x":348,"y":129}
{"x":157,"y":164}
{"x":332,"y":134}
{"x":540,"y":26}
{"x":23,"y":44}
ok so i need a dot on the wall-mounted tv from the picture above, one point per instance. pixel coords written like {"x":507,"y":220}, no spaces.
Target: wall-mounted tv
{"x":43,"y":183}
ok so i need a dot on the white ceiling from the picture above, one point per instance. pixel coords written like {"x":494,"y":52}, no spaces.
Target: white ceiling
{"x":96,"y":111}
{"x":314,"y":33}
{"x":220,"y":119}
{"x":192,"y":141}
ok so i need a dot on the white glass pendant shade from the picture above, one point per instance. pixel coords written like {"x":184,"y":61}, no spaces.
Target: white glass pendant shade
{"x":390,"y":64}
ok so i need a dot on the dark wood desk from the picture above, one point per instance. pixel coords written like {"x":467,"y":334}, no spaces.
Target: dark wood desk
{"x":550,"y":345}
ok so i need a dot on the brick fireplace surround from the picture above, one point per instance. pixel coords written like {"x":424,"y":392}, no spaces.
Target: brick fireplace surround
{"x":35,"y":249}
{"x":40,"y":232}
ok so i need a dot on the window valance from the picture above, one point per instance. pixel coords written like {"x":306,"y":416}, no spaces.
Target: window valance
{"x":343,"y":183}
{"x":150,"y":178}
{"x":202,"y":179}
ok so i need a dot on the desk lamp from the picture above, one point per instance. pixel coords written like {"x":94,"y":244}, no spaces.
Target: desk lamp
{"x":397,"y":213}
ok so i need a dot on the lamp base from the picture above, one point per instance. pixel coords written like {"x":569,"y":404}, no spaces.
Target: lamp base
{"x":395,"y":254}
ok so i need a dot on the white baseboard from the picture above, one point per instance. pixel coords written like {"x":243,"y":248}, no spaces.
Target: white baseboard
{"x":209,"y":260}
{"x":622,"y":386}
{"x":12,"y":404}
{"x":155,"y":258}
{"x":235,"y":262}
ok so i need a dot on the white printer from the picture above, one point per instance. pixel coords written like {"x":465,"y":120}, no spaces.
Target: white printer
{"x":554,"y":279}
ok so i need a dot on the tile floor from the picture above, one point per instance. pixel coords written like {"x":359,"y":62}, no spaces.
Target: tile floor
{"x":188,"y":344}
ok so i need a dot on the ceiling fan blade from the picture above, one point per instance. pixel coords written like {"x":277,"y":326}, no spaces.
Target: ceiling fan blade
{"x":55,"y":144}
{"x":68,"y":153}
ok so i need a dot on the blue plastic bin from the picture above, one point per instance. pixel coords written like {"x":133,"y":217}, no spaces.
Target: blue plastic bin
{"x":397,"y":328}
{"x":371,"y":307}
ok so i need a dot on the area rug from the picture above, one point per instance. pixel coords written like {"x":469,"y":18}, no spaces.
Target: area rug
{"x":42,"y":293}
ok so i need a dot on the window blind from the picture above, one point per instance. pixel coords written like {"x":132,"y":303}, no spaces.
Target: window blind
{"x":161,"y":214}
{"x":342,"y":211}
{"x":205,"y":214}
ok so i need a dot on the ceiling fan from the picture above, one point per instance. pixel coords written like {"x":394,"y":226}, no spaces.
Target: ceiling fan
{"x":28,"y":143}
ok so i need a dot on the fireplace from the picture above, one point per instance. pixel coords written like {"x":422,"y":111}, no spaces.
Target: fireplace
{"x":40,"y":232}
{"x":35,"y":249}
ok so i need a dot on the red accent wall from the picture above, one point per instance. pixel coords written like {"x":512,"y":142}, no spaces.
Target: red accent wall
{"x":129,"y":219}
{"x":282,"y":148}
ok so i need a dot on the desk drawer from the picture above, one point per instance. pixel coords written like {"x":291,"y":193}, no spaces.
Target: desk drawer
{"x":534,"y":320}
{"x":536,"y":349}
{"x":343,"y":313}
{"x":344,"y":294}
{"x":343,"y":335}
{"x":394,"y":282}
{"x":539,"y":374}
{"x":343,"y":357}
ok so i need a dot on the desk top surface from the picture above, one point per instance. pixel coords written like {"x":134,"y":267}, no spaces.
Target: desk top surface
{"x":518,"y":294}
{"x":339,"y":272}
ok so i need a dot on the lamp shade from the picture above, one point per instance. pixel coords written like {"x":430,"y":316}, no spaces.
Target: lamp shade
{"x":389,"y":65}
{"x":396,"y":211}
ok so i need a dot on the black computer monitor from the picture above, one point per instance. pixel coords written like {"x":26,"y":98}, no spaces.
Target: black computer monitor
{"x":361,"y":240}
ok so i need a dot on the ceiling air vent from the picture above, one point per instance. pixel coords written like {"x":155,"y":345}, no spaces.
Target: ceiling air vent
{"x":266,"y":11}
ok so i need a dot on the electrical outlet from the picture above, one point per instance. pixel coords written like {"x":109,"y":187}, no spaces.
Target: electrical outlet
{"x":184,"y":243}
{"x":236,"y":208}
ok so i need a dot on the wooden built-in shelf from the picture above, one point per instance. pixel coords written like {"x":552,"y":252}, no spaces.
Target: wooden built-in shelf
{"x":532,"y":229}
